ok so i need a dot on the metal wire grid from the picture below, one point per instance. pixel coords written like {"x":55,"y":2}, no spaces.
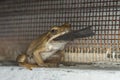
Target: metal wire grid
{"x":22,"y":21}
{"x":103,"y":14}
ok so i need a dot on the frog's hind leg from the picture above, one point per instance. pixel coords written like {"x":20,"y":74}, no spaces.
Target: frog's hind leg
{"x":55,"y":59}
{"x":22,"y":61}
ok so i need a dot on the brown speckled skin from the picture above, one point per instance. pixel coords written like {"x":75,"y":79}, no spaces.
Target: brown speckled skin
{"x":38,"y":46}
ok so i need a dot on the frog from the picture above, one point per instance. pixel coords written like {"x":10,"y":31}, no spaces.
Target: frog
{"x":44,"y":47}
{"x":48,"y":49}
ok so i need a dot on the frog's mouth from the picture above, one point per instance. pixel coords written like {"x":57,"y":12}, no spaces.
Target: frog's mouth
{"x":60,"y":34}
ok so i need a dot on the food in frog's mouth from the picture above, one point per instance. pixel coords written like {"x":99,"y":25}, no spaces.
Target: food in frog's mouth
{"x":71,"y":35}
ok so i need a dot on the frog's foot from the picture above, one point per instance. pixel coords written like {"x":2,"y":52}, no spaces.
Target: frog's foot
{"x":52,"y":64}
{"x":28,"y":65}
{"x":43,"y":65}
{"x":48,"y":65}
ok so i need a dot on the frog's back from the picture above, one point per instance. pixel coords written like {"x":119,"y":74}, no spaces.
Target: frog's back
{"x":37,"y":43}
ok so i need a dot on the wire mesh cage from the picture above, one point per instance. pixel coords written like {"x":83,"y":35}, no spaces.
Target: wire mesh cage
{"x":21,"y":21}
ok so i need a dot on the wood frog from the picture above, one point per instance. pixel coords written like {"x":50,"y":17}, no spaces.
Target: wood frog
{"x":44,"y":47}
{"x":51,"y":44}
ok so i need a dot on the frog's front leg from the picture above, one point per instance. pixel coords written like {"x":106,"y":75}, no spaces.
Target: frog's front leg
{"x":38,"y":59}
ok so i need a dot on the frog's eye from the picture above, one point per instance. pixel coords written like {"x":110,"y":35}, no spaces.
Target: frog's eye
{"x":53,"y":31}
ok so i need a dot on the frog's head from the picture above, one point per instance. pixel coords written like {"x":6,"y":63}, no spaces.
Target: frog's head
{"x":57,"y":31}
